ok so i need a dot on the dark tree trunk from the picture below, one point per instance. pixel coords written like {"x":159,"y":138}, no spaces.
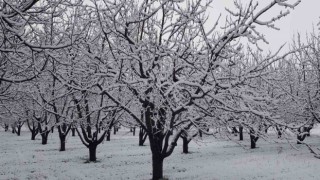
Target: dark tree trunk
{"x":16,"y":128}
{"x":266,"y":128}
{"x":300,"y":138}
{"x":279,"y":134}
{"x":18,"y":131}
{"x":44,"y":137}
{"x":157,"y":167}
{"x":279,"y":130}
{"x":43,"y":132}
{"x":73,"y":130}
{"x":63,"y":131}
{"x":33,"y":135}
{"x":253,"y":140}
{"x":302,"y":134}
{"x":235,"y":131}
{"x":141,"y":142}
{"x":160,"y":143}
{"x":92,"y":152}
{"x":185,"y":148}
{"x":88,"y":136}
{"x":91,"y":144}
{"x":108,"y":135}
{"x":142,"y":136}
{"x":62,"y":142}
{"x":52,"y":129}
{"x":200,"y":133}
{"x":240,"y":133}
{"x":6,"y":127}
{"x":89,"y":131}
{"x":114,"y":130}
{"x":134,"y":131}
{"x":33,"y":129}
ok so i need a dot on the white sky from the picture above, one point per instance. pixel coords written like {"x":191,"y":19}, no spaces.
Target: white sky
{"x":301,"y":19}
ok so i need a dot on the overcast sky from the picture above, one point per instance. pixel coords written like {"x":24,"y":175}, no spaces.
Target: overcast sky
{"x":300,"y":19}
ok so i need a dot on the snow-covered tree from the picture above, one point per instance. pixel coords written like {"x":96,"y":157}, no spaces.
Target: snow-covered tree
{"x":177,"y":69}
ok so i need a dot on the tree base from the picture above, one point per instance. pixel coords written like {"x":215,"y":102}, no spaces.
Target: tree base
{"x":157,"y":168}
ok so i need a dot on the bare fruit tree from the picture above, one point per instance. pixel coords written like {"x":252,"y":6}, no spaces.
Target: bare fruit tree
{"x":176,"y":68}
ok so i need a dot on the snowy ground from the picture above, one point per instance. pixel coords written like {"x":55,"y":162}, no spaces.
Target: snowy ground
{"x":122,"y":158}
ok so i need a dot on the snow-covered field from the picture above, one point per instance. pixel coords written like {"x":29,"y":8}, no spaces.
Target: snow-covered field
{"x":122,"y":158}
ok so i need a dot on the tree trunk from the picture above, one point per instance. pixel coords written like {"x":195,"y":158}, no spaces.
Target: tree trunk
{"x":300,"y":138}
{"x":62,"y":142}
{"x":200,"y":133}
{"x":6,"y":127}
{"x":92,"y":152}
{"x":33,"y":129}
{"x":157,"y":167}
{"x":279,"y":134}
{"x":241,"y":133}
{"x":279,"y":129}
{"x":253,"y":139}
{"x":52,"y":129}
{"x":89,"y":132}
{"x":142,"y":137}
{"x":253,"y":142}
{"x":13,"y":131}
{"x":33,"y":135}
{"x":235,"y":131}
{"x":73,"y":130}
{"x":44,"y":138}
{"x":18,"y":130}
{"x":141,"y":142}
{"x":134,"y":131}
{"x":114,"y":130}
{"x":185,"y":148}
{"x":108,"y":135}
